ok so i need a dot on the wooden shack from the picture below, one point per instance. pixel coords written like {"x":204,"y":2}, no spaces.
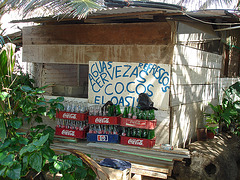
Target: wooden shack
{"x":190,"y":52}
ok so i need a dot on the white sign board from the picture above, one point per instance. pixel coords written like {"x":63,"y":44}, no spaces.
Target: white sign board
{"x":122,"y":83}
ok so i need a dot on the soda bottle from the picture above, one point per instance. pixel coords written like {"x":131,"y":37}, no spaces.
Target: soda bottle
{"x":151,"y":115}
{"x":125,"y":113}
{"x":115,"y":130}
{"x":109,"y":108}
{"x":134,"y":132}
{"x":130,"y":112}
{"x":124,"y":131}
{"x":58,"y":123}
{"x":134,"y":113}
{"x":151,"y":134}
{"x":111,"y":129}
{"x":118,"y":110}
{"x":106,"y":131}
{"x":90,"y":129}
{"x":144,"y":133}
{"x":99,"y":130}
{"x":139,"y":133}
{"x":140,"y":114}
{"x":63,"y":124}
{"x":144,"y":115}
{"x":128,"y":132}
{"x":94,"y":129}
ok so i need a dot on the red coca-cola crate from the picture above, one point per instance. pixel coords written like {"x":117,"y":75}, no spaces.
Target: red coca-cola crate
{"x":138,"y":123}
{"x":71,"y":115}
{"x":108,"y":120}
{"x":70,"y":133}
{"x":148,"y":143}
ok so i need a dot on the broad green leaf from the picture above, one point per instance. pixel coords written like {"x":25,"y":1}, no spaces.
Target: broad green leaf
{"x":67,"y":176}
{"x":41,"y":103}
{"x":59,"y":106}
{"x":3,"y":155}
{"x":25,"y":162}
{"x":8,"y":160}
{"x":23,"y":140}
{"x":51,"y":114}
{"x":14,"y":172}
{"x":16,"y":123}
{"x":52,"y":101}
{"x":3,"y":131}
{"x":3,"y":96}
{"x":42,"y":109}
{"x":58,"y":165}
{"x":6,"y":143}
{"x":2,"y":170}
{"x":25,"y":88}
{"x":66,"y":165}
{"x":28,"y":148}
{"x":41,"y":141}
{"x":81,"y":172}
{"x":60,"y":99}
{"x":48,"y":153}
{"x":35,"y":161}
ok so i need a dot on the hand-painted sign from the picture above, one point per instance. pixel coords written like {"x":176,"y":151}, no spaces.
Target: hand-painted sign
{"x":122,"y":83}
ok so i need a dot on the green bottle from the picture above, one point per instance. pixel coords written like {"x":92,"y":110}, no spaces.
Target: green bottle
{"x":144,"y":133}
{"x":130,"y":112}
{"x":109,"y":111}
{"x":134,"y":113}
{"x":118,"y":110}
{"x":128,"y":132}
{"x":125,"y":113}
{"x":144,"y":115}
{"x":133,"y":132}
{"x":151,"y":134}
{"x":138,"y":113}
{"x":139,"y":133}
{"x":151,"y":115}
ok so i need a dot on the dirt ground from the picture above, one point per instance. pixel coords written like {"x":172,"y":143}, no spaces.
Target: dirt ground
{"x":215,"y":159}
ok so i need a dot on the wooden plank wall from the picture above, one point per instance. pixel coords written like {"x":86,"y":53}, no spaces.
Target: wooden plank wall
{"x":58,"y":74}
{"x":104,"y":34}
{"x":78,"y":44}
{"x":194,"y":83}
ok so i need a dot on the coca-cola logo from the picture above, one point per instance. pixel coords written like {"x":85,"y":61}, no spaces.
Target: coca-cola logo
{"x":102,"y":120}
{"x":69,"y":115}
{"x":69,"y":133}
{"x":135,"y":142}
{"x":131,"y":122}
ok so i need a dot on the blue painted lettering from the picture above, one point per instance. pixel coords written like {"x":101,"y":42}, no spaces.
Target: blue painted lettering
{"x":128,"y":68}
{"x":118,"y":71}
{"x":108,"y":93}
{"x":128,"y":84}
{"x":119,"y":83}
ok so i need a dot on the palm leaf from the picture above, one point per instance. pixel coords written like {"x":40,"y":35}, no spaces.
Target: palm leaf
{"x":91,"y":163}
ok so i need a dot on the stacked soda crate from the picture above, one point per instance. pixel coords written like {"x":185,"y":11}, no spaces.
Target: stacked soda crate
{"x":138,"y":127}
{"x":72,"y":122}
{"x":104,"y":124}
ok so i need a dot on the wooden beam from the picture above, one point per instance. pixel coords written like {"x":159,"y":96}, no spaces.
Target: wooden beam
{"x":152,"y":33}
{"x":149,"y":173}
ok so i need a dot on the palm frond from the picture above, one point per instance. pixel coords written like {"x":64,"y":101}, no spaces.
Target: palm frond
{"x":91,"y":163}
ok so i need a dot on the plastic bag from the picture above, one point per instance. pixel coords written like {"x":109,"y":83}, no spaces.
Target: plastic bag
{"x":144,"y":102}
{"x":115,"y":163}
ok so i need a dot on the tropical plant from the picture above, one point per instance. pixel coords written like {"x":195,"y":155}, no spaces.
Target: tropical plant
{"x":27,"y":155}
{"x":227,"y":114}
{"x":72,"y":8}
